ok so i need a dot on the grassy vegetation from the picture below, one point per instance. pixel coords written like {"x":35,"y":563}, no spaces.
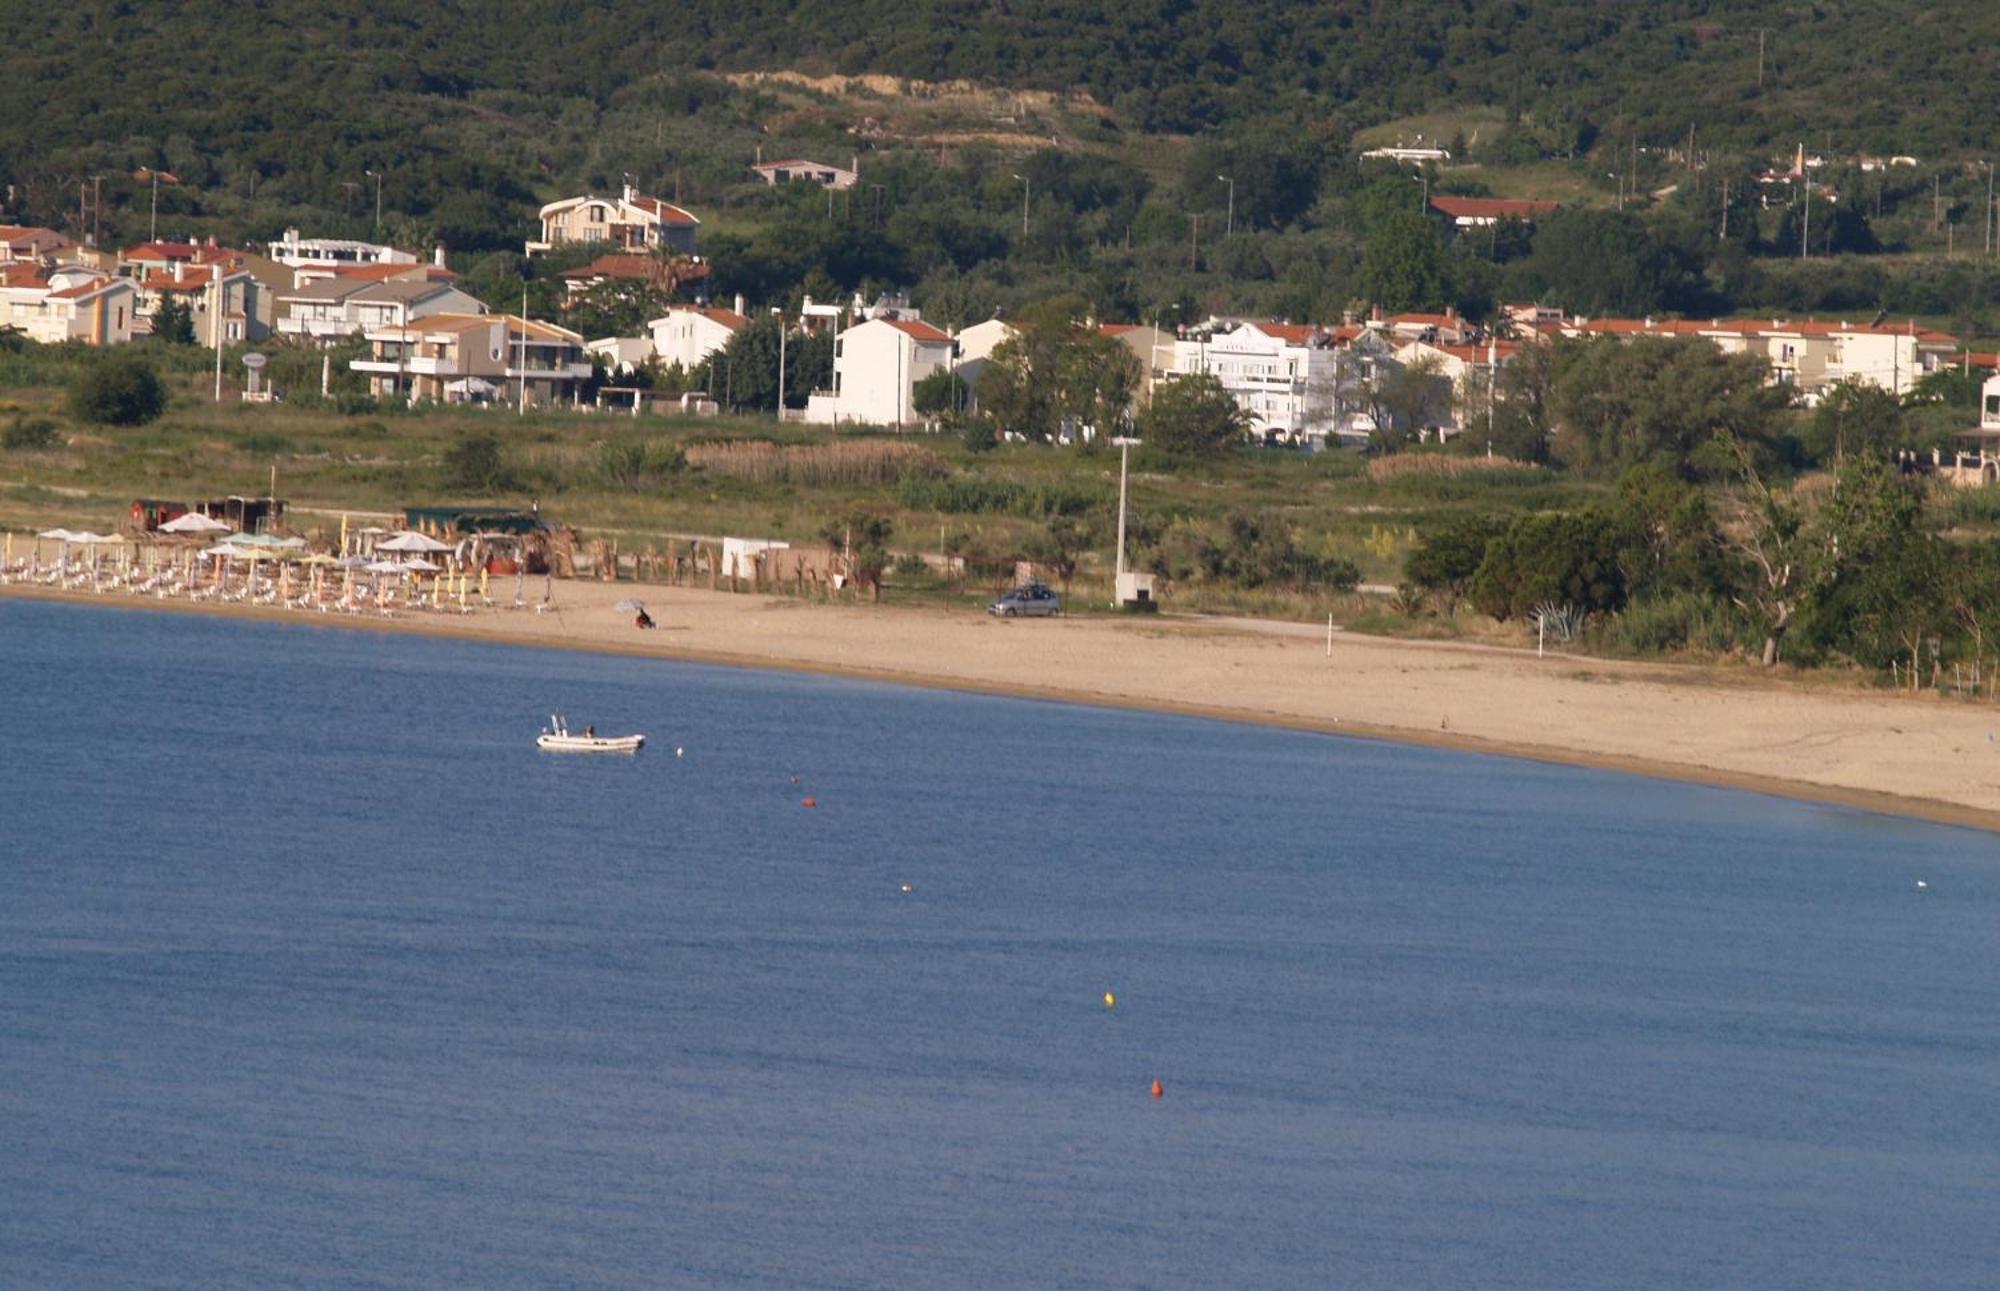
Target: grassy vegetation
{"x":642,"y":482}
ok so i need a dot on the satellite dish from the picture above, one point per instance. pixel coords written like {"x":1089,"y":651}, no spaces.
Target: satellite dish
{"x":255,"y":362}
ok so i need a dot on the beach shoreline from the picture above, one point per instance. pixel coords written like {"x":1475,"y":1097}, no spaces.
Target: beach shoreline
{"x":1886,"y":754}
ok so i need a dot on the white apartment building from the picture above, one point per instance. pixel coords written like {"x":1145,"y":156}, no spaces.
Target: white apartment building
{"x":301,"y":252}
{"x":687,"y":336}
{"x":68,"y":304}
{"x":1284,"y":375}
{"x":876,"y":365}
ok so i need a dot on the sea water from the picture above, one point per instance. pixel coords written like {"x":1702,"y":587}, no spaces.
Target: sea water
{"x":314,"y":971}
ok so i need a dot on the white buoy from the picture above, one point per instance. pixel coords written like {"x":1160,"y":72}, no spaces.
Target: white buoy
{"x":1921,"y":885}
{"x":678,"y":750}
{"x":906,"y":887}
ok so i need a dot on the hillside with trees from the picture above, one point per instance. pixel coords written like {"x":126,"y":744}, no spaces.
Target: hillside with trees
{"x":1157,"y":159}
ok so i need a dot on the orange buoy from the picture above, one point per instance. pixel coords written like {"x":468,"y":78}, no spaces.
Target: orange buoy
{"x":811,"y":802}
{"x":1159,"y":1090}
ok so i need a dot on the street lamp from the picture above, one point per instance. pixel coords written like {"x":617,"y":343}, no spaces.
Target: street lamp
{"x":1026,"y":187}
{"x":376,"y":175}
{"x":1125,"y":443}
{"x":1230,"y":227}
{"x":779,"y":314}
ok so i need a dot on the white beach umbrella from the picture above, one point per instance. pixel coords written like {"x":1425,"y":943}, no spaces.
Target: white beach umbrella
{"x":194,"y":522}
{"x":384,"y":567}
{"x":411,"y":540}
{"x":418,"y":565}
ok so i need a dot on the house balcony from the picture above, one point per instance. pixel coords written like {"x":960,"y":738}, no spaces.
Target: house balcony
{"x":317,"y":329}
{"x":550,"y":372}
{"x":414,"y":366}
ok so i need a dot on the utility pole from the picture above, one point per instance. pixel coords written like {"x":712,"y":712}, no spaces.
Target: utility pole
{"x":1230,"y":227}
{"x":1124,"y":443}
{"x":1760,"y":58}
{"x":1027,"y":186}
{"x":1986,"y":220}
{"x":778,"y":313}
{"x":1194,"y":244}
{"x":521,"y":408}
{"x":96,"y":210}
{"x":1805,"y":226}
{"x":215,"y":325}
{"x":377,"y":176}
{"x":1725,"y":209}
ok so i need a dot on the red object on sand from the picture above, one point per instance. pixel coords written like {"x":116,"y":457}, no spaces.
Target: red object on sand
{"x":1159,"y":1090}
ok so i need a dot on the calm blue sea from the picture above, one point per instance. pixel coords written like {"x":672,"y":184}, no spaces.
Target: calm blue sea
{"x":313,"y":971}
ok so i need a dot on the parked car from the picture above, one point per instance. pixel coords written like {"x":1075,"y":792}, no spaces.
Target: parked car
{"x":1026,"y":601}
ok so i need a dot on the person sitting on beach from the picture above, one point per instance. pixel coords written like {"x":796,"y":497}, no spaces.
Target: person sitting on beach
{"x":590,"y":732}
{"x":644,"y":620}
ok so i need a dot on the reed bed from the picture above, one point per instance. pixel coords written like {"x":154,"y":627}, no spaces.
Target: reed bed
{"x":809,"y":465}
{"x":1437,"y":465}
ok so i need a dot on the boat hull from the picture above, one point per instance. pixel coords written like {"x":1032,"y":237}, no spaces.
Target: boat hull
{"x":590,"y":743}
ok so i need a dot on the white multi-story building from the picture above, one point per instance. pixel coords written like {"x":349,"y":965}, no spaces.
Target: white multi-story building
{"x":300,"y":252}
{"x":1282,"y":374}
{"x":629,"y":222}
{"x":876,"y":365}
{"x":330,"y":309}
{"x":474,"y":358}
{"x":1809,"y":355}
{"x":72,"y":303}
{"x":687,"y":336}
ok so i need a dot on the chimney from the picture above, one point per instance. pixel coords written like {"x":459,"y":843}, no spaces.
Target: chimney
{"x":630,"y":192}
{"x":180,"y":270}
{"x":437,"y":255}
{"x":739,"y":305}
{"x":760,"y":154}
{"x":854,"y":165}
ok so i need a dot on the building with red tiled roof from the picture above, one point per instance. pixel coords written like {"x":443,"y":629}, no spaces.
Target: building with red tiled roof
{"x":630,"y":222}
{"x":667,"y":274}
{"x":687,"y":335}
{"x":23,"y":243}
{"x":1810,"y":354}
{"x":68,"y":303}
{"x":876,"y":366}
{"x":1479,"y":212}
{"x":799,"y":170}
{"x":475,"y":358}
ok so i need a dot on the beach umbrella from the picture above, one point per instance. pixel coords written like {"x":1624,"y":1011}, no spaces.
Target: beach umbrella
{"x":194,"y":522}
{"x":417,"y":564}
{"x":630,"y":605}
{"x":383,"y":567}
{"x":63,"y":537}
{"x":411,"y":540}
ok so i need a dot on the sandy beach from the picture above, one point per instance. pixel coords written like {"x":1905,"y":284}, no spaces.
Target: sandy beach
{"x":1922,"y":756}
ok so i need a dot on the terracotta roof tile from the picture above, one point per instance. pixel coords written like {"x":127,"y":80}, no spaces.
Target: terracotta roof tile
{"x":920,"y":331}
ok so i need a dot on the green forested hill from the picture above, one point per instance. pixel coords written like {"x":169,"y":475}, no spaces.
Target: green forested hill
{"x":275,"y":111}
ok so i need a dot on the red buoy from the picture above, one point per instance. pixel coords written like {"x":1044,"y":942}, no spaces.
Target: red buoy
{"x":811,"y":802}
{"x":1159,"y":1090}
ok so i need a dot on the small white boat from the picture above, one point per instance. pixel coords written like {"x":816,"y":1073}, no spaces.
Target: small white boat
{"x":558,"y":738}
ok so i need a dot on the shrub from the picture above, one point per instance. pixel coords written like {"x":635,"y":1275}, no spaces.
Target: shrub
{"x":473,"y":464}
{"x":120,"y":390}
{"x":637,"y":465}
{"x":1563,"y":557}
{"x":25,"y":434}
{"x":1664,"y":624}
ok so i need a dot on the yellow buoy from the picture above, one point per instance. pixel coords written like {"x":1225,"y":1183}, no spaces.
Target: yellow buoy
{"x":1110,"y":1000}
